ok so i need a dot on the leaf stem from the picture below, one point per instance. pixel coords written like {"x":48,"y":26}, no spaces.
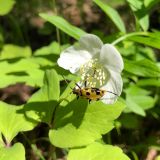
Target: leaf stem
{"x":129,"y":35}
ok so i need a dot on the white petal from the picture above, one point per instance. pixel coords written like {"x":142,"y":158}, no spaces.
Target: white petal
{"x":71,"y":59}
{"x":111,"y":58}
{"x":113,"y":85}
{"x":91,"y":43}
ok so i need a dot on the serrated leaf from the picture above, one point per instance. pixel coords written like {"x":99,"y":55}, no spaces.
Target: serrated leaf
{"x":112,"y":14}
{"x":143,"y":68}
{"x":6,"y":6}
{"x":12,"y":121}
{"x":65,"y":26}
{"x":131,"y":49}
{"x":16,"y":152}
{"x":41,"y":105}
{"x":138,"y":100}
{"x":10,"y":51}
{"x":97,"y":151}
{"x":149,"y":82}
{"x":134,"y":107}
{"x":146,"y":102}
{"x":140,"y":12}
{"x":151,"y":39}
{"x":78,"y":124}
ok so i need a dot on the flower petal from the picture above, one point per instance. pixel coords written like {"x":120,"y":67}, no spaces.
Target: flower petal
{"x":113,"y":85}
{"x":111,"y":58}
{"x":91,"y":43}
{"x":71,"y":59}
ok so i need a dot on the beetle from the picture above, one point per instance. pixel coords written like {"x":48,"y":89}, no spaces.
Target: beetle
{"x":90,"y":93}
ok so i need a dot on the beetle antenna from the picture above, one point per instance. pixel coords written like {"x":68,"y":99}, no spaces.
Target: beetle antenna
{"x":78,"y":85}
{"x":66,"y":81}
{"x":113,"y":93}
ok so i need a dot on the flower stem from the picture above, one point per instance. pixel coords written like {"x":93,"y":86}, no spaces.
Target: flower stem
{"x":129,"y":35}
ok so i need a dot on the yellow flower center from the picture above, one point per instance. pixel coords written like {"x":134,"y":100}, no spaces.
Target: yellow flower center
{"x":93,"y":74}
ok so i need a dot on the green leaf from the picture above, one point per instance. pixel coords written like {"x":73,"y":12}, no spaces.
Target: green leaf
{"x":112,"y":14}
{"x":150,"y":3}
{"x":138,"y":52}
{"x":32,"y":78}
{"x":133,"y":106}
{"x":149,"y":82}
{"x":151,"y":39}
{"x":76,"y":123}
{"x":1,"y":141}
{"x":140,"y":12}
{"x":53,"y":48}
{"x":137,"y":100}
{"x":12,"y":121}
{"x":143,"y":68}
{"x":97,"y":151}
{"x":41,"y":105}
{"x":65,"y":26}
{"x":6,"y":6}
{"x":16,"y":152}
{"x":23,"y":71}
{"x":47,"y":56}
{"x":10,"y":51}
{"x":22,"y":65}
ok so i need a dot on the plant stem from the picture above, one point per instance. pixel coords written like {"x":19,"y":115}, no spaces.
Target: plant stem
{"x":129,"y":35}
{"x":57,"y":30}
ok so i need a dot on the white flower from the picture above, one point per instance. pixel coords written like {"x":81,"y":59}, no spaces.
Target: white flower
{"x":100,"y":65}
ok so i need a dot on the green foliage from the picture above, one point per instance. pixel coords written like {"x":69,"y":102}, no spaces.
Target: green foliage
{"x":65,"y":26}
{"x":143,"y":68}
{"x":23,"y":70}
{"x":149,"y":82}
{"x":10,"y":51}
{"x":112,"y":14}
{"x":151,"y":39}
{"x":138,"y":100}
{"x":72,"y":123}
{"x":6,"y":6}
{"x":129,"y":121}
{"x":16,"y":152}
{"x":41,"y":105}
{"x":77,"y":123}
{"x":12,"y":121}
{"x":150,"y":3}
{"x":140,"y":12}
{"x":98,"y":151}
{"x":53,"y":48}
{"x":1,"y":141}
